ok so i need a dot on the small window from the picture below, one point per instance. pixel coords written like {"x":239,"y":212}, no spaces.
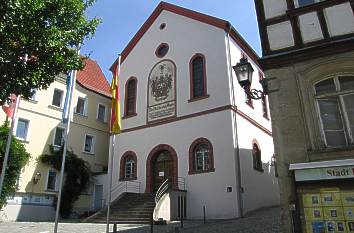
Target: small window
{"x":51,"y":182}
{"x":335,"y":102}
{"x":80,"y":107}
{"x":162,"y":50}
{"x":198,"y":77}
{"x":101,"y":113}
{"x":57,"y":98}
{"x":201,"y":156}
{"x":89,"y":144}
{"x":58,"y":137}
{"x":34,"y":95}
{"x":249,"y":100}
{"x":257,"y":158}
{"x":130,"y":97}
{"x":128,"y":166}
{"x":22,"y":129}
{"x":265,"y":107}
{"x":301,"y":3}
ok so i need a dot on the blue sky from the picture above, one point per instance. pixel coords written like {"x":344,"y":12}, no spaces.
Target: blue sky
{"x":121,"y":19}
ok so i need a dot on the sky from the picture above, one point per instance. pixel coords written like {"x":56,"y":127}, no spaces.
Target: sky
{"x":121,"y":19}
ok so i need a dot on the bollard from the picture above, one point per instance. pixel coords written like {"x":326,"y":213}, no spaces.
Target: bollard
{"x":115,"y":228}
{"x":152,"y":224}
{"x":204,"y":218}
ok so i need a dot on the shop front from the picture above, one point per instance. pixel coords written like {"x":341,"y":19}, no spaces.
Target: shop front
{"x":325,"y":196}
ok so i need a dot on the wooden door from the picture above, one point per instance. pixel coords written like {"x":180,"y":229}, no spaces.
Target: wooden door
{"x":162,"y":169}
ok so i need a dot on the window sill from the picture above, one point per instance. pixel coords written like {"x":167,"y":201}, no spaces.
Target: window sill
{"x":266,"y":117}
{"x":259,"y":169}
{"x":55,"y":108}
{"x":201,"y":172}
{"x":198,"y":98}
{"x":31,"y":101}
{"x":22,"y":140}
{"x":128,"y":179}
{"x":345,"y":152}
{"x":129,"y":116}
{"x":88,"y":153}
{"x":80,"y":115}
{"x":50,"y":191}
{"x":101,"y":122}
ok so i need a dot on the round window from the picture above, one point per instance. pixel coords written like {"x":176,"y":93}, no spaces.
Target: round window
{"x":162,"y":50}
{"x":162,"y":26}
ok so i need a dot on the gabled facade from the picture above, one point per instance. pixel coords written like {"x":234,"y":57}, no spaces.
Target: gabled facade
{"x":186,"y":119}
{"x":39,"y":125}
{"x":308,"y":57}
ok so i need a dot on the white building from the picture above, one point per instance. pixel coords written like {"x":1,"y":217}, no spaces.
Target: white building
{"x":186,"y":118}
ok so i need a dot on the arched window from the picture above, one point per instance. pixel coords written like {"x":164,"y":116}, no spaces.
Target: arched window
{"x":257,"y":158}
{"x":201,"y":156}
{"x":128,"y":166}
{"x":335,"y":103}
{"x":198,"y":85}
{"x":130,"y":97}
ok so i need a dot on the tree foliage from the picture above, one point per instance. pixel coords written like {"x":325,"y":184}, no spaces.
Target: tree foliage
{"x":77,"y":177}
{"x":18,"y":157}
{"x":48,"y":31}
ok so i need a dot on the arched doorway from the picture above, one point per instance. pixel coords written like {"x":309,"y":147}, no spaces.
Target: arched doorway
{"x":161,"y":165}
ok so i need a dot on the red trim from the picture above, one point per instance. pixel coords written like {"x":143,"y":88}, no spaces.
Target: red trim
{"x":213,"y":21}
{"x":158,"y":48}
{"x":122,"y":166}
{"x":191,"y":75}
{"x":192,"y":156}
{"x":126,"y":115}
{"x":210,"y":111}
{"x":149,"y":161}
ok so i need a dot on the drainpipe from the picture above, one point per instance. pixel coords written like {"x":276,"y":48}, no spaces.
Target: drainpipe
{"x":239,"y":190}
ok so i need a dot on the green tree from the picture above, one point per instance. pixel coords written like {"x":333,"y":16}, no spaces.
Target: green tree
{"x":18,"y":158}
{"x":48,"y":31}
{"x":77,"y":176}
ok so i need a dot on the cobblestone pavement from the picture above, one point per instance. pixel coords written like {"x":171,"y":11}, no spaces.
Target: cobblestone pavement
{"x":262,"y":221}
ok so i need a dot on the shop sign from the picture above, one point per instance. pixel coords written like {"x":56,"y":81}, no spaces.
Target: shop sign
{"x":328,"y":173}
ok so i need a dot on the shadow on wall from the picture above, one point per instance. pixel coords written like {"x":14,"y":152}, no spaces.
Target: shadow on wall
{"x":38,"y":201}
{"x":260,"y":188}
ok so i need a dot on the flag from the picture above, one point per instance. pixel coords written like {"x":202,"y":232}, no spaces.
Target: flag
{"x":10,"y":108}
{"x":70,"y":80}
{"x":115,"y":119}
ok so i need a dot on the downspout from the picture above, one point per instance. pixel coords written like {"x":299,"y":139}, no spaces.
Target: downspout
{"x":239,"y":190}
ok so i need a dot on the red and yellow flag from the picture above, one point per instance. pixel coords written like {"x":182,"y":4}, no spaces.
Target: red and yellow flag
{"x":115,"y":121}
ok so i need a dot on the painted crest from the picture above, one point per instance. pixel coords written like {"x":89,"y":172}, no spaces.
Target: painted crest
{"x":161,"y":84}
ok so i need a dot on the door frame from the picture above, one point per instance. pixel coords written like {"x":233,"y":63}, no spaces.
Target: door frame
{"x":149,"y":166}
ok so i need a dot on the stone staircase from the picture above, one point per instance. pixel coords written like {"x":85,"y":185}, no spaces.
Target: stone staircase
{"x":131,"y":208}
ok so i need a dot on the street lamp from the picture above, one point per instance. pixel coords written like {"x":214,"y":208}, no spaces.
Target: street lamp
{"x":37,"y":177}
{"x":244,"y":72}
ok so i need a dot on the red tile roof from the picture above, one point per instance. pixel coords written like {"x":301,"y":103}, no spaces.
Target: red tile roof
{"x":92,"y":78}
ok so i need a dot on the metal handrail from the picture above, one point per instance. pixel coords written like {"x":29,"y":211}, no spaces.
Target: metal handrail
{"x":126,"y":186}
{"x":164,"y":187}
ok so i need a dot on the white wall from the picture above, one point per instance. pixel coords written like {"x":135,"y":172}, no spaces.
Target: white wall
{"x":207,"y":189}
{"x":185,"y":38}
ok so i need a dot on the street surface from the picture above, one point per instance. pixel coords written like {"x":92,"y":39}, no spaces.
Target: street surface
{"x":262,"y":221}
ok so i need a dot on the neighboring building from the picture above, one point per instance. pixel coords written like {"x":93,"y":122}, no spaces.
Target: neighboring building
{"x":308,"y":56}
{"x":186,"y":119}
{"x":39,"y":126}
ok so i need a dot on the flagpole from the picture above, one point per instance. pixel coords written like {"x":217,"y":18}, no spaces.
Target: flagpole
{"x":110,"y":164}
{"x":8,"y":144}
{"x":66,"y":136}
